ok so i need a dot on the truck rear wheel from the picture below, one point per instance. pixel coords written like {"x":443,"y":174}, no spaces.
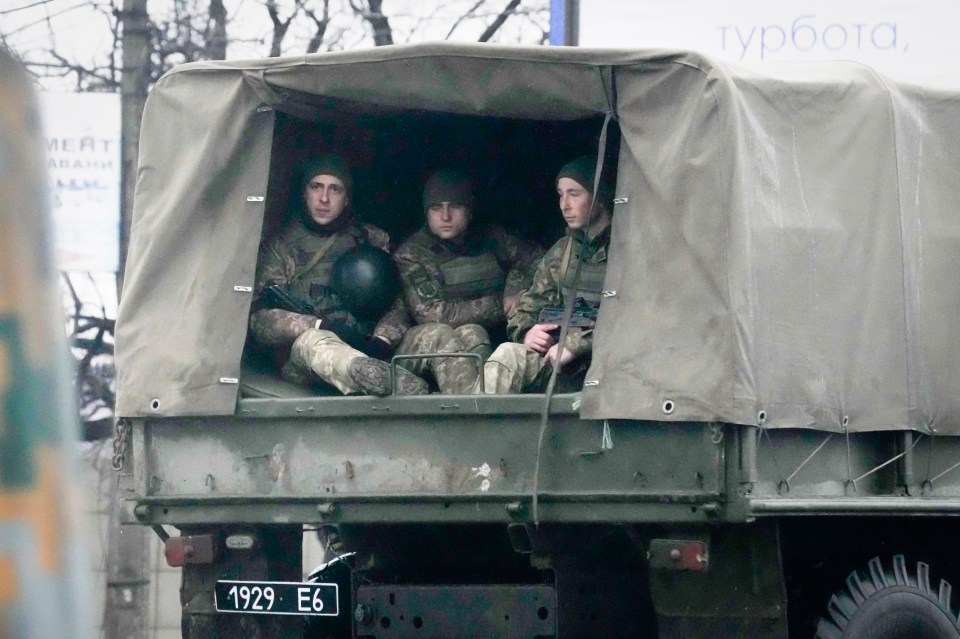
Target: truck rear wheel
{"x":890,"y":605}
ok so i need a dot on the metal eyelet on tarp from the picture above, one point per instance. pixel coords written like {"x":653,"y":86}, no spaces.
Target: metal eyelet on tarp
{"x":668,"y":406}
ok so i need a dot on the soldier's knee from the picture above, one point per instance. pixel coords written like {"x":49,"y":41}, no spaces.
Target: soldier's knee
{"x":439,"y":333}
{"x":472,"y":335}
{"x":509,"y":354}
{"x":308,"y":340}
{"x":429,"y":338}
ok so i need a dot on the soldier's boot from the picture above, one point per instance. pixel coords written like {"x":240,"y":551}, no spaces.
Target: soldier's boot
{"x":410,"y":384}
{"x":347,"y":369}
{"x":372,"y":377}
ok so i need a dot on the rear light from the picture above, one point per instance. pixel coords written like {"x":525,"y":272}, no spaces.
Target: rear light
{"x":678,"y":554}
{"x":196,"y":549}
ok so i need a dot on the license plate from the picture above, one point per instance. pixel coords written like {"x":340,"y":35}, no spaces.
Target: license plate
{"x":277,"y":598}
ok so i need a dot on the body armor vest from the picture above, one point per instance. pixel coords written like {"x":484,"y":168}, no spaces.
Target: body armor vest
{"x":315,"y":280}
{"x":472,"y":276}
{"x":590,"y":286}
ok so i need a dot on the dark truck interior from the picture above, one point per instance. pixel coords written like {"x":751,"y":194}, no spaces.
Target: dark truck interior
{"x":513,"y":164}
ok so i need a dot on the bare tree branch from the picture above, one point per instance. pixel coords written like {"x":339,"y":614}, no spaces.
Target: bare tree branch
{"x":217,"y":31}
{"x":91,"y":341}
{"x":46,"y":18}
{"x":280,"y":27}
{"x":498,"y":22}
{"x":373,"y":14}
{"x":188,"y":30}
{"x":321,"y":26}
{"x":114,"y":26}
{"x":77,"y":304}
{"x":39,"y":3}
{"x":469,"y":14}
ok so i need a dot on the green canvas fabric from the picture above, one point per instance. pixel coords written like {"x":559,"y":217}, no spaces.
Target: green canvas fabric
{"x":784,"y":243}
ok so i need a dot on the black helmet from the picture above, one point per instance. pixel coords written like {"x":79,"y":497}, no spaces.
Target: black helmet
{"x":366,"y":281}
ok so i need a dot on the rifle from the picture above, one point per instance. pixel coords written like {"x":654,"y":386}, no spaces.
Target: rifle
{"x":584,"y":314}
{"x":278,"y":296}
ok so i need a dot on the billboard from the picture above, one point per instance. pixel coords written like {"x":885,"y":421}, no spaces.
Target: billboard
{"x":909,"y":40}
{"x":82,"y":136}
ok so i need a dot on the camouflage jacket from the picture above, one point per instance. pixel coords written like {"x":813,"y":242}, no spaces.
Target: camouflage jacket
{"x":546,"y":289}
{"x":423,"y":261}
{"x":284,"y":260}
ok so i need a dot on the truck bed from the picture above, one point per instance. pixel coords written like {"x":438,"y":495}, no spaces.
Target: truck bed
{"x":460,"y":459}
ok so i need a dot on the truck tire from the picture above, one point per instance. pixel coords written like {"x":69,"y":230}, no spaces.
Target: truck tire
{"x":885,"y":605}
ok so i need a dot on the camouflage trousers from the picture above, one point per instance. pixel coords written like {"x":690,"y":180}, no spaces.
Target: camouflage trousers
{"x":453,"y":375}
{"x":326,"y":356}
{"x":512,"y":369}
{"x":515,"y":368}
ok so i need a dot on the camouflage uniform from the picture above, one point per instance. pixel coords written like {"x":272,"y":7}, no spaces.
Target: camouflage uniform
{"x":454,"y":375}
{"x":309,"y":351}
{"x":454,"y":292}
{"x":516,"y":368}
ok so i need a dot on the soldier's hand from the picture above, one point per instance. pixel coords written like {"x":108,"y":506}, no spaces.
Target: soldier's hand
{"x":539,"y":337}
{"x":565,"y":356}
{"x":510,"y":303}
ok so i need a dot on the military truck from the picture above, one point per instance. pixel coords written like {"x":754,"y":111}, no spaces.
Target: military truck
{"x":766,"y":444}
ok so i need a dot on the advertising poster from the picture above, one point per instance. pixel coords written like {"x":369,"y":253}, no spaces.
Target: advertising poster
{"x":910,"y":40}
{"x":82,"y":135}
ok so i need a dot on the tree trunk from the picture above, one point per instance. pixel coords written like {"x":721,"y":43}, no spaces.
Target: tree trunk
{"x":218,"y":33}
{"x":382,"y":32}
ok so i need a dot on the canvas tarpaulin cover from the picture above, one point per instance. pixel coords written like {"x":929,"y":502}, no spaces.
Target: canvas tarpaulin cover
{"x":784,"y":243}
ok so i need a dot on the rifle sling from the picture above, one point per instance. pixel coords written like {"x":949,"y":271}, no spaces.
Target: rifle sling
{"x":565,"y":262}
{"x":315,"y":259}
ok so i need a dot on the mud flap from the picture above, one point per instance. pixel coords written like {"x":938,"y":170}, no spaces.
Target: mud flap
{"x":277,"y":558}
{"x":740,"y":594}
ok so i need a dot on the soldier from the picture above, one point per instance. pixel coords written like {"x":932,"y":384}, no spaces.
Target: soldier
{"x":459,"y":282}
{"x":522,"y":365}
{"x":330,"y":343}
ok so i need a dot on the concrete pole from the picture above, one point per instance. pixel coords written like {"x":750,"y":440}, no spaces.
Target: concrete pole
{"x":127,"y":562}
{"x":133,"y":94}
